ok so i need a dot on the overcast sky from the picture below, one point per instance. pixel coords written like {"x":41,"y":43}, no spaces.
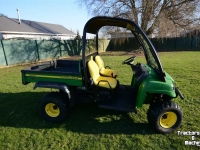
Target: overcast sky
{"x":64,"y":12}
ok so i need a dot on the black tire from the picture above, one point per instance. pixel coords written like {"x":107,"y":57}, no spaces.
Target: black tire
{"x":54,"y":107}
{"x":165,"y":118}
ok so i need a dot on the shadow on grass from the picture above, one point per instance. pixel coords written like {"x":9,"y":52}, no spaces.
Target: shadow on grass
{"x":20,"y":110}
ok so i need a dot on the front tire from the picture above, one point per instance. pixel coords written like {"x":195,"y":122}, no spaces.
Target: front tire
{"x":54,"y":107}
{"x":166,"y":117}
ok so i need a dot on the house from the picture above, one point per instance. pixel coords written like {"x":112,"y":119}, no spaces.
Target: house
{"x":116,"y":35}
{"x":191,"y":33}
{"x":11,"y":28}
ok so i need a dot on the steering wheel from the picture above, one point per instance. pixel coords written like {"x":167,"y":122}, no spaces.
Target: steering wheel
{"x":129,"y":61}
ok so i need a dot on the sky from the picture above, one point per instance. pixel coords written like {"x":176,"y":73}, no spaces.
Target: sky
{"x":67,"y":13}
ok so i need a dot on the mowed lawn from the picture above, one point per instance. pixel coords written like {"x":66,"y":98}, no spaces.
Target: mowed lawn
{"x":89,"y":127}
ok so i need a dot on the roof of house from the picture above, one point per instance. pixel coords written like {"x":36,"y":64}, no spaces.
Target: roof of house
{"x":13,"y":25}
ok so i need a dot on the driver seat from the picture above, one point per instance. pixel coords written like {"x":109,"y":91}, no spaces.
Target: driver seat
{"x":103,"y":71}
{"x":105,"y":82}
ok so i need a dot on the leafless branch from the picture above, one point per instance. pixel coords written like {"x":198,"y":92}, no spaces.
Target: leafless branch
{"x":158,"y":17}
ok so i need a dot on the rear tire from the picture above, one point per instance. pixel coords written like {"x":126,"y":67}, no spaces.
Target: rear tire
{"x":54,"y":107}
{"x":165,"y":118}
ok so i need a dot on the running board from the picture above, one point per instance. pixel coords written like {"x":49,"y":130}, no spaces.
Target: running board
{"x":118,"y":108}
{"x":123,"y":100}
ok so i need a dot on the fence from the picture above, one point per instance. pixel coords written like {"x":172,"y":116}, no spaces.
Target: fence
{"x":24,"y":51}
{"x":161,"y":45}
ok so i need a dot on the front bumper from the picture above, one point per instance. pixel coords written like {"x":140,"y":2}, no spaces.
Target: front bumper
{"x":178,"y":92}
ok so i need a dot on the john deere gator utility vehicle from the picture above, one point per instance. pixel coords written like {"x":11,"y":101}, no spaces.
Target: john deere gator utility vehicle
{"x":88,"y":80}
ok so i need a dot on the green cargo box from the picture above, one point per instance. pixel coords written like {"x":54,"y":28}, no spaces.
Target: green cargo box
{"x":64,"y":71}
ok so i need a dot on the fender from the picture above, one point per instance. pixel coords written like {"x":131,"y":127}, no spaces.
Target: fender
{"x":56,"y":85}
{"x":151,"y":86}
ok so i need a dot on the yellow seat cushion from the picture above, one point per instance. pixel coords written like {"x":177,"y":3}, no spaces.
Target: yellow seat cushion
{"x":105,"y":82}
{"x":102,"y":70}
{"x":108,"y":72}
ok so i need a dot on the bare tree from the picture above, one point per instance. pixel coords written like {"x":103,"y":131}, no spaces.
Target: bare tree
{"x":1,"y":15}
{"x":163,"y":17}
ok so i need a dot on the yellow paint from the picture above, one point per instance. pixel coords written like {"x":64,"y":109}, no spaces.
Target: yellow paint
{"x":129,"y":27}
{"x":105,"y":81}
{"x":168,"y":119}
{"x":58,"y":77}
{"x":52,"y":110}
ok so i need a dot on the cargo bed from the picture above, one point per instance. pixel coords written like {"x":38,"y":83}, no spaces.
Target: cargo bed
{"x":67,"y":71}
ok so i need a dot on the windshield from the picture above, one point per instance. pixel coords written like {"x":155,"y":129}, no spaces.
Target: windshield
{"x":149,"y":57}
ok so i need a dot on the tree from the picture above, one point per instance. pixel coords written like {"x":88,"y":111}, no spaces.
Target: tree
{"x":161,"y":17}
{"x":2,"y":15}
{"x":78,"y":37}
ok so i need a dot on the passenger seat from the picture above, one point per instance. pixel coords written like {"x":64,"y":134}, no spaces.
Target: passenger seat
{"x":104,"y":71}
{"x":101,"y":81}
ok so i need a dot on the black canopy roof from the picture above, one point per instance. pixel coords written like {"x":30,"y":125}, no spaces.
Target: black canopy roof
{"x":94,"y":24}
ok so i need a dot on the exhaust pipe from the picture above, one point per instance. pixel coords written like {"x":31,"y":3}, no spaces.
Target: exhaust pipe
{"x":18,"y":16}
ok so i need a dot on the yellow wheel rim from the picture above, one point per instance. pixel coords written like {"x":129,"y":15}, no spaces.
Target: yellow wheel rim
{"x":52,"y":110}
{"x":168,"y":119}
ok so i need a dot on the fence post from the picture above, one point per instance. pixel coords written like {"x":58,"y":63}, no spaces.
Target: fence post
{"x":4,"y":53}
{"x":175,"y":42}
{"x":191,"y":43}
{"x":37,"y":50}
{"x":60,"y":49}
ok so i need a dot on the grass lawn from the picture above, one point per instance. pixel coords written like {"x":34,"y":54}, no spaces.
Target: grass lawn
{"x":88,"y":127}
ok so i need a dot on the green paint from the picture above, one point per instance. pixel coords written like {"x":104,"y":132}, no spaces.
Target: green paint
{"x":152,"y":84}
{"x":60,"y":48}
{"x":4,"y":53}
{"x":37,"y":51}
{"x":20,"y":51}
{"x":73,"y":80}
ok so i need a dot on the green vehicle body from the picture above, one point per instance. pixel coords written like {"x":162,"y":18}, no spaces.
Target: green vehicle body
{"x":35,"y":75}
{"x":70,"y":80}
{"x":149,"y":86}
{"x":150,"y":83}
